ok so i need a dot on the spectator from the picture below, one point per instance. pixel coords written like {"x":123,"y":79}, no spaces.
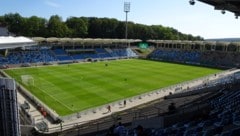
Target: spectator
{"x":172,"y":108}
{"x":109,"y":108}
{"x":139,"y":131}
{"x":111,"y":131}
{"x":124,"y":103}
{"x":119,"y":130}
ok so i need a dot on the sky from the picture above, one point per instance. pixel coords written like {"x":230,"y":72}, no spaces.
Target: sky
{"x":200,"y":19}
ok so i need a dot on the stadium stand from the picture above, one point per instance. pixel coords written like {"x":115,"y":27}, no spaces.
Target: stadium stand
{"x":21,"y":57}
{"x":176,"y":55}
{"x":206,"y":57}
{"x":58,"y":55}
{"x":229,"y":59}
{"x":47,"y":55}
{"x":222,"y":119}
{"x":61,"y":55}
{"x":125,"y":52}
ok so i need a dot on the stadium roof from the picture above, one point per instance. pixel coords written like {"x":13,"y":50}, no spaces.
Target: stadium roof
{"x":194,"y":42}
{"x":7,"y":42}
{"x":229,"y":5}
{"x":85,"y":40}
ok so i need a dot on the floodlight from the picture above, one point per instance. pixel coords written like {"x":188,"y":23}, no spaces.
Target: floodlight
{"x":223,"y":11}
{"x":236,"y":15}
{"x":126,"y":7}
{"x":191,"y":2}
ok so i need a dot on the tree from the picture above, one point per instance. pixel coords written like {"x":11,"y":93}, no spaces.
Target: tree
{"x":120,"y":30}
{"x":91,"y":27}
{"x":78,"y":27}
{"x":108,"y":27}
{"x":56,"y":28}
{"x":15,"y":23}
{"x":3,"y":23}
{"x":35,"y":26}
{"x":157,"y":32}
{"x":94,"y":28}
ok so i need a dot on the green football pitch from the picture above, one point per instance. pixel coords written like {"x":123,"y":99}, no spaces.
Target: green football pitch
{"x":76,"y":87}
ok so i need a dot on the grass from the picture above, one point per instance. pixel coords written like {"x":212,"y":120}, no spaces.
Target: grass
{"x":76,"y":87}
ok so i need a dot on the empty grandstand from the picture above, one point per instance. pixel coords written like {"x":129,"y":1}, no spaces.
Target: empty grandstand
{"x":208,"y":53}
{"x":55,"y":53}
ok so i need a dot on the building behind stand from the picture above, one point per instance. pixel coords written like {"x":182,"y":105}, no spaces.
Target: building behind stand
{"x":9,"y":114}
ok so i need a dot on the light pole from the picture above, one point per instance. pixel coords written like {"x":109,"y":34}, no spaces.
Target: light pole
{"x":126,"y":10}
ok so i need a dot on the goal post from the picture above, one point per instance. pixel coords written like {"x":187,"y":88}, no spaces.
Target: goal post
{"x":27,"y":80}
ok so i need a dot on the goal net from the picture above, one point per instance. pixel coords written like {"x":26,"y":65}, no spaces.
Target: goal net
{"x":27,"y":80}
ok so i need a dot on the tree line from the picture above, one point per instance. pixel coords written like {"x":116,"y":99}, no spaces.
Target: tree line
{"x":88,"y":27}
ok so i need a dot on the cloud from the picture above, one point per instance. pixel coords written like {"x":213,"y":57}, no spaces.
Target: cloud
{"x":52,"y":4}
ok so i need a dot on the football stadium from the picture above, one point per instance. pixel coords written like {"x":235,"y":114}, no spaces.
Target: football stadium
{"x":82,"y":86}
{"x":120,"y":86}
{"x":71,"y":85}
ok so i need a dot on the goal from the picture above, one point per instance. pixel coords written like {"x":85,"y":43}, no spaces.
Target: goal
{"x":27,"y":80}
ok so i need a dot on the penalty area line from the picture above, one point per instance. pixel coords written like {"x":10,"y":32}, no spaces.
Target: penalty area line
{"x":55,"y":99}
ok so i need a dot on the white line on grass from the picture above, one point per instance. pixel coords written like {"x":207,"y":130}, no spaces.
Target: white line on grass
{"x":55,"y":99}
{"x":53,"y":96}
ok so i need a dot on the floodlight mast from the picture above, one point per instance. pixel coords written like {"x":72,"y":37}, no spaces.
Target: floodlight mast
{"x":126,"y":10}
